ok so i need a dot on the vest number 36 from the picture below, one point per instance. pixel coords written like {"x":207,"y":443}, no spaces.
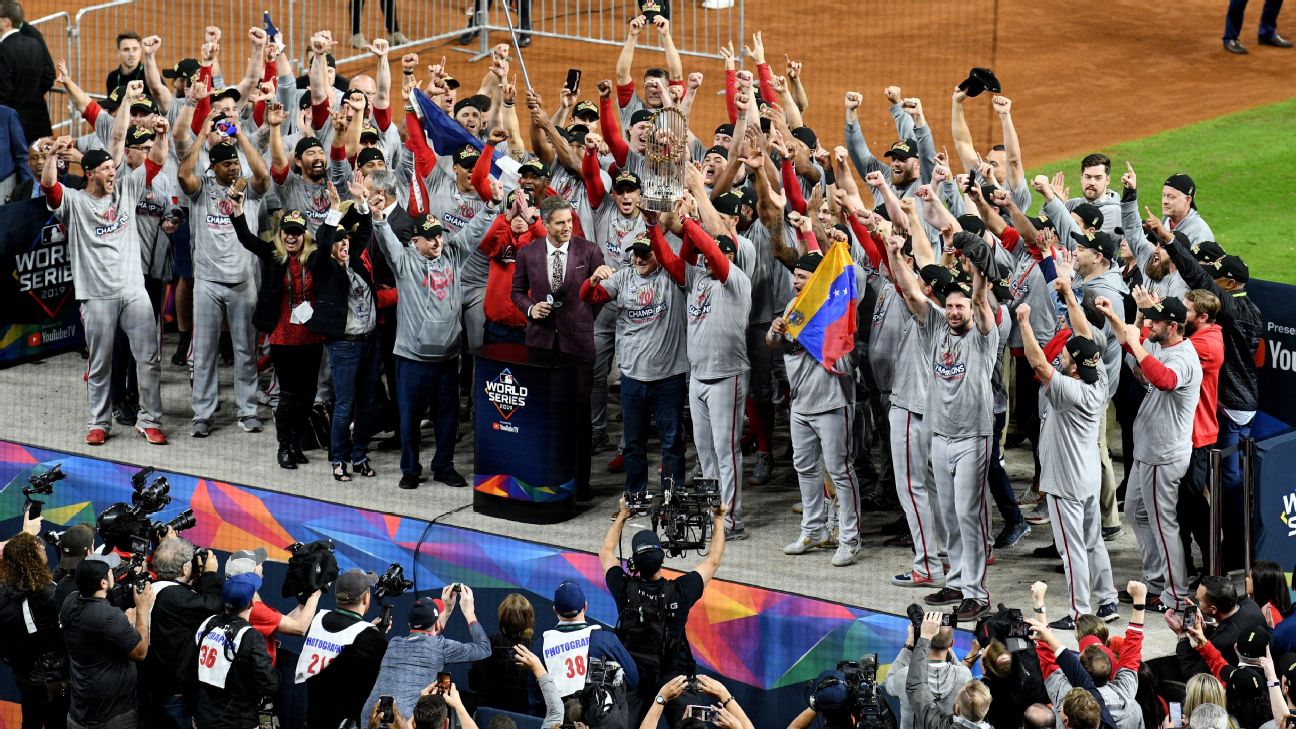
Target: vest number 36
{"x":208,"y":656}
{"x":575,"y":666}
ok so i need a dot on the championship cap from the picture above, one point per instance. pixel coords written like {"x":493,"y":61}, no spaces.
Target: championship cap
{"x":223,"y":152}
{"x":640,"y":245}
{"x":1207,"y":251}
{"x":903,"y":149}
{"x":293,"y":222}
{"x":369,"y":131}
{"x":978,"y":81}
{"x":1183,"y":183}
{"x":184,"y":68}
{"x":586,"y":111}
{"x":534,"y":166}
{"x":1253,"y":643}
{"x":138,"y":135}
{"x":626,"y":181}
{"x":726,"y":244}
{"x":642,"y":115}
{"x":229,"y":92}
{"x":729,"y":203}
{"x":353,"y":585}
{"x":1232,"y":267}
{"x":1167,"y":309}
{"x":91,"y":160}
{"x":428,"y":226}
{"x":1087,"y":356}
{"x":466,"y":156}
{"x":1090,"y":215}
{"x":1104,"y":244}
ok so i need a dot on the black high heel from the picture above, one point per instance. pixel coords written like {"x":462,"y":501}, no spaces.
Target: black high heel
{"x":364,"y":469}
{"x":340,"y":472}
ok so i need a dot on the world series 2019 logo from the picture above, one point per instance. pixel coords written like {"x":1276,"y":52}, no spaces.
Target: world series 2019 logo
{"x":1288,"y":515}
{"x":506,"y":394}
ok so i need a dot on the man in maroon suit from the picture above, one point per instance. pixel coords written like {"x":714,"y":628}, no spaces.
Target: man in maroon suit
{"x":546,"y":289}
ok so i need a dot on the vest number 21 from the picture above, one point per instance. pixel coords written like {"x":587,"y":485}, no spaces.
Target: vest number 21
{"x":317,"y":664}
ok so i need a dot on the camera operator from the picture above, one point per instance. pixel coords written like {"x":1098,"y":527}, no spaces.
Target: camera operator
{"x":187,"y":592}
{"x":945,"y":675}
{"x":73,"y":546}
{"x":342,"y":654}
{"x":656,"y":636}
{"x":725,"y":714}
{"x":1051,"y":650}
{"x":569,"y":648}
{"x":235,"y":672}
{"x":1011,"y":673}
{"x":970,"y":704}
{"x":265,"y":619}
{"x":413,"y":660}
{"x":31,"y":641}
{"x":102,"y":647}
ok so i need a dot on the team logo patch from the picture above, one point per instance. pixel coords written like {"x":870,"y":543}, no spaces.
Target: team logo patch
{"x":506,"y":394}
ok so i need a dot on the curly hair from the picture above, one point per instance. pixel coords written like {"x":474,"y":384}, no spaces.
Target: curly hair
{"x":23,"y":565}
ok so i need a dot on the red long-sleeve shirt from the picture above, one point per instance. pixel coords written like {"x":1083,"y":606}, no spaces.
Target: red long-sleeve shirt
{"x":496,"y":244}
{"x":1209,"y":343}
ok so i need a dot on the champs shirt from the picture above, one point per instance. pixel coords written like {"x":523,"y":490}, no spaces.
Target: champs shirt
{"x":217,"y":254}
{"x":717,"y":323}
{"x":296,"y":192}
{"x":104,"y":238}
{"x":960,"y":399}
{"x":650,"y":324}
{"x":456,"y":209}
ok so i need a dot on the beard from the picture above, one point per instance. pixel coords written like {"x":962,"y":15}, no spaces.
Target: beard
{"x":1158,"y":268}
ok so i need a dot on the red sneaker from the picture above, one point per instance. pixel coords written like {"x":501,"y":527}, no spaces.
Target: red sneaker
{"x":153,"y":435}
{"x":96,"y":436}
{"x":617,"y":465}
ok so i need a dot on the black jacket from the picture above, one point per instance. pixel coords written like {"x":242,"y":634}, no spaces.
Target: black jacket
{"x":251,"y":678}
{"x":34,"y":657}
{"x":1241,"y":323}
{"x":171,"y":665}
{"x":332,"y":284}
{"x":339,"y":691}
{"x":1224,"y":637}
{"x":26,"y":75}
{"x":265,"y":317}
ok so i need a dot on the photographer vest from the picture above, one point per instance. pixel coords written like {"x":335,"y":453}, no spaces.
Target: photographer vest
{"x":323,"y":645}
{"x":216,"y":651}
{"x":566,"y":657}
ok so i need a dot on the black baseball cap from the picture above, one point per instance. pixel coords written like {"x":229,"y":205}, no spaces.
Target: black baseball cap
{"x":1252,"y":643}
{"x":717,"y":149}
{"x":113,"y":99}
{"x":467,"y":156}
{"x":726,"y":244}
{"x":73,"y":545}
{"x":306,"y":144}
{"x":726,"y":129}
{"x":1183,"y":183}
{"x":534,"y":166}
{"x":576,"y":133}
{"x":143,"y":105}
{"x":184,"y":68}
{"x":428,"y":226}
{"x":642,"y":115}
{"x":138,"y":135}
{"x":641,"y":244}
{"x":223,"y":152}
{"x":1104,"y":244}
{"x":903,"y":149}
{"x":807,"y":137}
{"x":1042,"y":221}
{"x":1087,"y":356}
{"x":369,"y":154}
{"x":809,"y":262}
{"x":626,"y":180}
{"x":971,"y":224}
{"x":1207,"y":251}
{"x":978,"y":81}
{"x":450,"y":82}
{"x":729,"y":203}
{"x":1232,"y":267}
{"x":293,"y":222}
{"x":1168,"y":309}
{"x":586,"y":111}
{"x":936,"y":276}
{"x":229,"y":92}
{"x":92,"y":159}
{"x":1089,"y":214}
{"x":371,"y":132}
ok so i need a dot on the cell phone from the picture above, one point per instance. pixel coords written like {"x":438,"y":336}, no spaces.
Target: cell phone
{"x":573,"y":80}
{"x":457,"y":589}
{"x":386,"y":711}
{"x":227,"y":128}
{"x":1190,"y":617}
{"x":700,"y":711}
{"x":1176,"y":714}
{"x":443,"y":681}
{"x":34,"y":509}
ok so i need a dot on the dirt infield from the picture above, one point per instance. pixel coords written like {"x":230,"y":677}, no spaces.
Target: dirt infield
{"x":1081,"y":74}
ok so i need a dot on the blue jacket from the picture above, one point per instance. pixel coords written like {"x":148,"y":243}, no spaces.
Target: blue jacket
{"x":13,"y":158}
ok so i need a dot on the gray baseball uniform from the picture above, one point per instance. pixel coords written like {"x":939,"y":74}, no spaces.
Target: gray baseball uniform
{"x":456,"y":210}
{"x":960,"y":406}
{"x":612,"y":232}
{"x":1162,"y":445}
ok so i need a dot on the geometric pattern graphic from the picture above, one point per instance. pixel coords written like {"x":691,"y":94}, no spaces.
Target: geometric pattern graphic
{"x":516,"y":489}
{"x":766,"y":639}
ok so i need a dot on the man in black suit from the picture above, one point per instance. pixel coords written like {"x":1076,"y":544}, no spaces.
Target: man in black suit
{"x":546,"y":289}
{"x":381,"y":191}
{"x":26,"y":71}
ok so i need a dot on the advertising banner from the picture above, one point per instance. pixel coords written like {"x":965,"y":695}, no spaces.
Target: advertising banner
{"x":39,"y":315}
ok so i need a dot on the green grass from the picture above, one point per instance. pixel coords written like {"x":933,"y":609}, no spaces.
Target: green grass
{"x":1244,"y":165}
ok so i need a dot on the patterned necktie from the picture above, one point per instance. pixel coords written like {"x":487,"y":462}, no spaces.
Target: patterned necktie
{"x":556,"y":273}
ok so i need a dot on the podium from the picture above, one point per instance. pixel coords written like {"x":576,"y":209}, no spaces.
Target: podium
{"x":524,"y":427}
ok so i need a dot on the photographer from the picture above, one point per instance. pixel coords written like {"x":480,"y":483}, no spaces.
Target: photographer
{"x":1227,"y":619}
{"x":569,"y":649}
{"x":342,"y":654}
{"x":31,"y":641}
{"x":187,"y":592}
{"x":102,"y":647}
{"x":235,"y":672}
{"x":413,"y":660}
{"x":1117,"y":685}
{"x":945,"y":675}
{"x":970,"y":704}
{"x":73,"y":546}
{"x":1012,"y":674}
{"x":265,"y":619}
{"x":725,"y":714}
{"x":654,"y":610}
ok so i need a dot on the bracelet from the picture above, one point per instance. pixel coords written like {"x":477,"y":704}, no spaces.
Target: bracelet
{"x":508,"y":104}
{"x":726,"y":701}
{"x":1039,"y":611}
{"x":407,"y":73}
{"x":1271,"y":684}
{"x":409,"y":109}
{"x":1140,"y":607}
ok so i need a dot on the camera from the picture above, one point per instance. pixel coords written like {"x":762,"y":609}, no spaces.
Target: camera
{"x":131,"y":574}
{"x":122,"y":523}
{"x":683,"y":519}
{"x":598,"y":672}
{"x":916,"y":614}
{"x":41,"y":484}
{"x":704,"y":713}
{"x":863,"y":703}
{"x":392,"y":583}
{"x":1008,"y":626}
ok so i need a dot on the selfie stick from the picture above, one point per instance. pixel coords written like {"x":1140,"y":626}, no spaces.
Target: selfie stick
{"x":508,"y":17}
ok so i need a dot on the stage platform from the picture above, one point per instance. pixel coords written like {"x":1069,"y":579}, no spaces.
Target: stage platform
{"x":769,"y":622}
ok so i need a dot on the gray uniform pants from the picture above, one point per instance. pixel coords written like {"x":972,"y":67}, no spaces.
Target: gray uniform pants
{"x":1151,"y":507}
{"x":133,"y":312}
{"x":1077,"y":532}
{"x":910,"y":446}
{"x":474,"y":316}
{"x":959,"y":466}
{"x":212,"y":302}
{"x":604,"y":348}
{"x":716,"y":407}
{"x":1107,"y":495}
{"x":828,"y":435}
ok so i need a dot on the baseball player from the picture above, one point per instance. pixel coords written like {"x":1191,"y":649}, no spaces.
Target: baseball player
{"x":822,"y":410}
{"x":719,"y":300}
{"x":1075,"y":399}
{"x":107,"y":274}
{"x":961,"y":344}
{"x":1162,"y":441}
{"x":224,"y":284}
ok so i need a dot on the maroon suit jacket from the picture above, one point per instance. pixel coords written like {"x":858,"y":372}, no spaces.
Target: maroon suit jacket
{"x":570,"y":326}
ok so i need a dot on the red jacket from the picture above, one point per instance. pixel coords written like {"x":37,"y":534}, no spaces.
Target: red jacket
{"x":1209,"y":343}
{"x":501,"y":245}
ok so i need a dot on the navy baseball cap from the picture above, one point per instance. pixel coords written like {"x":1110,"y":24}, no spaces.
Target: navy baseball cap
{"x":237,"y":592}
{"x":569,"y":599}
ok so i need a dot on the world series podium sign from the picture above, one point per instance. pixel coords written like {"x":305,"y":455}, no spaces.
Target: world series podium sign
{"x":525,"y":462}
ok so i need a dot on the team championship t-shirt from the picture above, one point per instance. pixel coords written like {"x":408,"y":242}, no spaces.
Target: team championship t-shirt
{"x":960,"y":399}
{"x":650,"y":324}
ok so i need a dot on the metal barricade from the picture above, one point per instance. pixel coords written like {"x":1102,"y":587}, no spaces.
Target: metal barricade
{"x":57,"y":30}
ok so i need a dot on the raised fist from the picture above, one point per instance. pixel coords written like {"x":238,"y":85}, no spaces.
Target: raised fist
{"x":498,"y":136}
{"x":409,"y":62}
{"x":853,"y":99}
{"x":874,"y":179}
{"x":257,"y":36}
{"x":211,"y":34}
{"x":1002,"y":105}
{"x":379,"y":47}
{"x":151,"y":45}
{"x":695,"y":80}
{"x":892,"y":94}
{"x":605,"y":89}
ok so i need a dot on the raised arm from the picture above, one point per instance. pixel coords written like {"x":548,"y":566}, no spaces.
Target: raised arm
{"x":963,"y":145}
{"x":674,"y":65}
{"x":1039,"y":363}
{"x":982,"y":311}
{"x":255,"y":162}
{"x":187,"y":176}
{"x":1012,"y":146}
{"x":80,"y":99}
{"x":612,"y":539}
{"x":625,"y":61}
{"x":1062,"y":263}
{"x":904,"y":277}
{"x":153,"y":77}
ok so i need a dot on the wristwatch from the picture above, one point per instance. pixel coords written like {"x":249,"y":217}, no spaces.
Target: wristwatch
{"x":661,"y":700}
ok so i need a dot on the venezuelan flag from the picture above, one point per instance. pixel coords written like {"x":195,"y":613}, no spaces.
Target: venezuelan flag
{"x":822,"y":317}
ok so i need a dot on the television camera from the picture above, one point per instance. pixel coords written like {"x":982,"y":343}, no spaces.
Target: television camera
{"x":121,"y":524}
{"x":683,"y":516}
{"x":41,"y":484}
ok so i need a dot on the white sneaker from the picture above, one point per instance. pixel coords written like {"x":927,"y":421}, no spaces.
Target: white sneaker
{"x":397,"y":39}
{"x":847,"y":554}
{"x":805,"y":544}
{"x":359,"y":41}
{"x":797,"y":508}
